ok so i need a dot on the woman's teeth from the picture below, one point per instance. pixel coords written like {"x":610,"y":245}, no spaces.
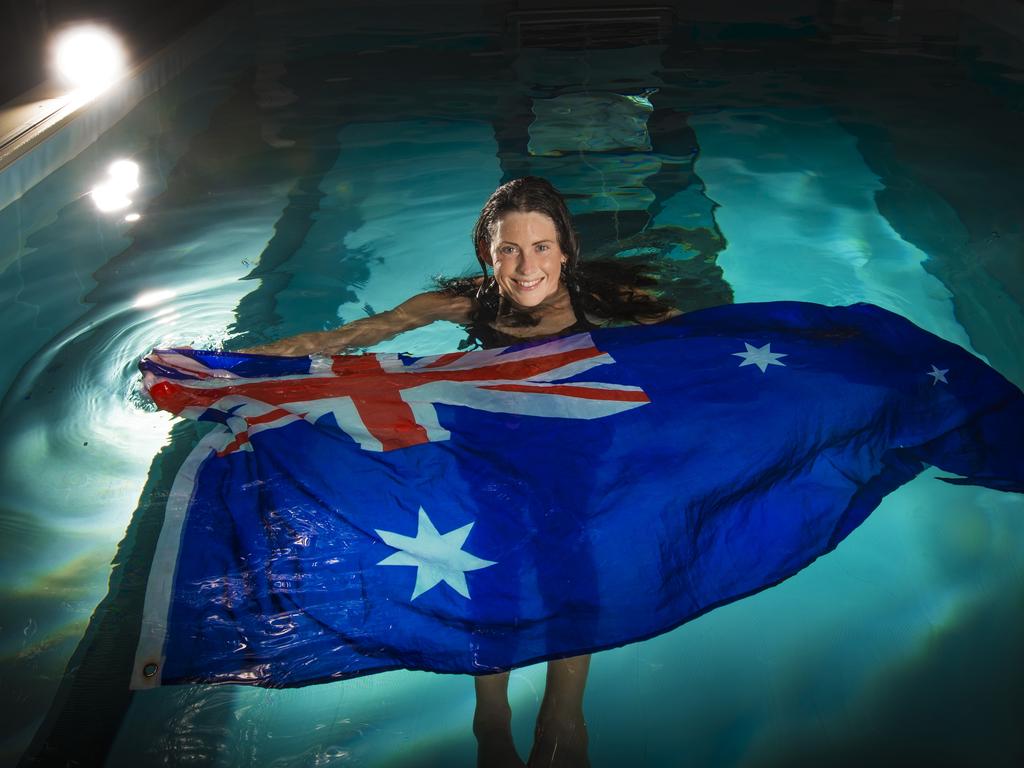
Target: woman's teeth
{"x":527,"y":285}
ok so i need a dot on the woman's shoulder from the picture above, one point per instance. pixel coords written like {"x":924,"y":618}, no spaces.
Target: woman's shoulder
{"x":438,"y":305}
{"x":458,"y":286}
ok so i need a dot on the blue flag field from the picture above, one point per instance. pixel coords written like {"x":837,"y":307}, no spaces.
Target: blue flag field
{"x":483,"y":510}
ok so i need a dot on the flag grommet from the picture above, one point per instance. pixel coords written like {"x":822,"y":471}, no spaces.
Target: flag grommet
{"x":150,"y":669}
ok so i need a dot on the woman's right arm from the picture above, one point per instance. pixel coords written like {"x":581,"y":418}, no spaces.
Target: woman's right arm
{"x":418,"y":311}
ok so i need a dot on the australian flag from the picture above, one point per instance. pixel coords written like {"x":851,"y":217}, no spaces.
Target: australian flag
{"x":478,"y":511}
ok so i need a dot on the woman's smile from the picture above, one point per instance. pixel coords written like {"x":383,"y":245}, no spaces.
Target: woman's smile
{"x":528,"y":285}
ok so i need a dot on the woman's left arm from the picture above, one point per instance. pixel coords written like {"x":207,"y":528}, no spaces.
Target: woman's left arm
{"x":418,"y":311}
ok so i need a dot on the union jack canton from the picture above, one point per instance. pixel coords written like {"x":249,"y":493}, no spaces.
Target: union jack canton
{"x":387,"y":401}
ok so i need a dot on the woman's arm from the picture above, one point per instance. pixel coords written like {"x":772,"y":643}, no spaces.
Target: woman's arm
{"x":418,"y":311}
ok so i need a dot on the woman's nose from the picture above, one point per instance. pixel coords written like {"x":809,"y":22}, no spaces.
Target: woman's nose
{"x":527,"y":263}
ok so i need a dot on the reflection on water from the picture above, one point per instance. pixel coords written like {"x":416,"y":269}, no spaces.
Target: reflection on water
{"x":313,"y":179}
{"x":111,"y":194}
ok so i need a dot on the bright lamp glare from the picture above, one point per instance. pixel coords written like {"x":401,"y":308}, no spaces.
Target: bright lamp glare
{"x":125,"y":174}
{"x":112,"y":194}
{"x":152,"y":298}
{"x":108,"y":197}
{"x":89,"y":57}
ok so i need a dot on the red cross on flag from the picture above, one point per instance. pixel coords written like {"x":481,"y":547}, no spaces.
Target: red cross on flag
{"x":387,"y":401}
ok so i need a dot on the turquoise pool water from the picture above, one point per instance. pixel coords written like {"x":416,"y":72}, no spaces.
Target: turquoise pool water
{"x":326,"y":165}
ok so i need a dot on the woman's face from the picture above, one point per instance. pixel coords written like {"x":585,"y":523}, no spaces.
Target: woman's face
{"x":526,"y":257}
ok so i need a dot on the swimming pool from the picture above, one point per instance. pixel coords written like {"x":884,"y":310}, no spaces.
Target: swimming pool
{"x":327,"y":165}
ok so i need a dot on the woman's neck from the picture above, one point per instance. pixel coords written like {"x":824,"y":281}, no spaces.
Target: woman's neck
{"x":552,"y":315}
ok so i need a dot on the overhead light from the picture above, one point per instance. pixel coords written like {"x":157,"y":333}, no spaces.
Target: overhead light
{"x":88,"y":57}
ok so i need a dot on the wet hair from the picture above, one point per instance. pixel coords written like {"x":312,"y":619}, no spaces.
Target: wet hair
{"x":607,"y":289}
{"x":530,"y":194}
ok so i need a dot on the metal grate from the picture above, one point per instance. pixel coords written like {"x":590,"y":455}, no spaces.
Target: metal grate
{"x":591,"y":27}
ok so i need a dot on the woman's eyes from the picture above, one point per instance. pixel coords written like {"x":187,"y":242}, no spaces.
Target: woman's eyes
{"x":505,"y":250}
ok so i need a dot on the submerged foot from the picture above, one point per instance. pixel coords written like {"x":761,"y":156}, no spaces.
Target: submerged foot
{"x":495,"y":748}
{"x":560,"y":743}
{"x":495,"y":754}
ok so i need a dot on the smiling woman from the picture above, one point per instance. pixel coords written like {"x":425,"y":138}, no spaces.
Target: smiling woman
{"x":533,"y":287}
{"x":534,"y":284}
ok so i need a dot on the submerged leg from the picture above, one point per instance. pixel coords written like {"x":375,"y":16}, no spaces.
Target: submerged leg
{"x":561,"y":735}
{"x":492,"y":723}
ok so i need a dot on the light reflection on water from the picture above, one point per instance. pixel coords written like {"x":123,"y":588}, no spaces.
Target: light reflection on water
{"x":815,"y":662}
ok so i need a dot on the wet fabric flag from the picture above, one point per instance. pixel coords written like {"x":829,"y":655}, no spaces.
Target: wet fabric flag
{"x":483,"y":510}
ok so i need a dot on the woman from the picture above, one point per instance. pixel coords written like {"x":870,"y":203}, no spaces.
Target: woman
{"x":533,"y":286}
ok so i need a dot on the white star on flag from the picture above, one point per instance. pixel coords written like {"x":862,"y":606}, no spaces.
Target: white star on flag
{"x":437,"y":557}
{"x":762,"y":357}
{"x":938,"y":374}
